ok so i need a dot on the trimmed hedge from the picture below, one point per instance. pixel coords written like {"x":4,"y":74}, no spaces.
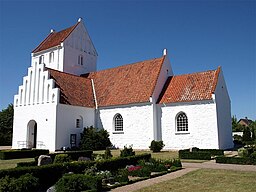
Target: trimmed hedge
{"x":48,"y":175}
{"x":78,"y":182}
{"x":236,"y":160}
{"x":184,"y":154}
{"x":213,"y":152}
{"x":74,"y":155}
{"x":27,"y":164}
{"x":22,"y":153}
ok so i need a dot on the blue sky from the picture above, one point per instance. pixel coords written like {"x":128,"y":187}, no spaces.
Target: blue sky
{"x":199,"y":36}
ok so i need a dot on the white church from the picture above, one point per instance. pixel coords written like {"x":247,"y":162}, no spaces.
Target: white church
{"x":136,"y":103}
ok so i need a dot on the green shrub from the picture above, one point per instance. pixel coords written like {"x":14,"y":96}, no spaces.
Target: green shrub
{"x":142,"y":172}
{"x":253,"y":155}
{"x":94,"y":139}
{"x":121,"y":176}
{"x":18,"y":153}
{"x":236,"y":160}
{"x":156,"y":146}
{"x":78,"y":182}
{"x":194,"y":155}
{"x":153,"y":165}
{"x":246,"y":135}
{"x":242,"y":152}
{"x":74,"y":155}
{"x":213,"y":152}
{"x":108,"y":154}
{"x":126,"y":152}
{"x":48,"y":175}
{"x":25,"y":182}
{"x":62,"y":158}
{"x":27,"y":164}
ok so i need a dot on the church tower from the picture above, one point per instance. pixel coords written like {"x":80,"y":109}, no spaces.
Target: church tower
{"x":70,"y":50}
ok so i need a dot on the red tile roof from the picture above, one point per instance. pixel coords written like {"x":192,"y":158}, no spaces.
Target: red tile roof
{"x":54,"y":39}
{"x":74,"y":90}
{"x":133,"y":83}
{"x":190,"y":87}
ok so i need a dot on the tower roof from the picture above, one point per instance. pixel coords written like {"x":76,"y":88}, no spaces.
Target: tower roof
{"x":54,"y":39}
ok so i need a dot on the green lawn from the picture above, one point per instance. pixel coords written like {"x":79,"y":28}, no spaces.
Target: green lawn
{"x":159,"y":155}
{"x":208,"y":180}
{"x":12,"y":163}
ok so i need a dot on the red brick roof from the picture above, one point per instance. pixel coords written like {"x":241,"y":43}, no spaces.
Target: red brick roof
{"x":190,"y":87}
{"x":54,"y":39}
{"x":74,"y":90}
{"x":133,"y":83}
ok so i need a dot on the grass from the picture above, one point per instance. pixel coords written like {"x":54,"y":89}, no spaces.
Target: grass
{"x":208,"y":180}
{"x":12,"y":163}
{"x":159,"y":155}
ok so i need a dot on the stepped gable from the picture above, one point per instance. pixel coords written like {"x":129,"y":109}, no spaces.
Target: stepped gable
{"x":190,"y":87}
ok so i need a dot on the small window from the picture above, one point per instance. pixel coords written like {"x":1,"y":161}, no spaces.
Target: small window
{"x":79,"y":123}
{"x":80,"y":60}
{"x":51,"y":57}
{"x":118,"y":122}
{"x":182,"y":122}
{"x":41,"y":59}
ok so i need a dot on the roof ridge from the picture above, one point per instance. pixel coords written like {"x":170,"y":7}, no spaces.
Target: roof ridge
{"x":152,"y":91}
{"x":50,"y":69}
{"x":37,"y":49}
{"x":124,"y":65}
{"x":196,"y":72}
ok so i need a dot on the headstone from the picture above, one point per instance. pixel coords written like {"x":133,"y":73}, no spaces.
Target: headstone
{"x":44,"y":160}
{"x":84,"y":159}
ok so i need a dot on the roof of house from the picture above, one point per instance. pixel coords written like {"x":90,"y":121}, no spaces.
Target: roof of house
{"x":133,"y":83}
{"x":245,"y":121}
{"x":190,"y":87}
{"x":54,"y":39}
{"x":74,"y":90}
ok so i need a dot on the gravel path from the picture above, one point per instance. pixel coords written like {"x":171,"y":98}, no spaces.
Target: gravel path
{"x":145,"y":183}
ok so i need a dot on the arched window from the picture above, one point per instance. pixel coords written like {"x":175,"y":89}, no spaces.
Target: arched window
{"x":182,"y":122}
{"x":118,"y":122}
{"x":41,"y":59}
{"x":51,"y":57}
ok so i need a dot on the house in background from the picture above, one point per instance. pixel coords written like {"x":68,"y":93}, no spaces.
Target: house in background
{"x":136,"y":103}
{"x":245,"y":122}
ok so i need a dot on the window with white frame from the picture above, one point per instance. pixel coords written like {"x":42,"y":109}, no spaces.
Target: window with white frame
{"x":182,"y":122}
{"x":80,"y":60}
{"x":51,"y":57}
{"x":118,"y":122}
{"x":41,"y":59}
{"x":79,"y":122}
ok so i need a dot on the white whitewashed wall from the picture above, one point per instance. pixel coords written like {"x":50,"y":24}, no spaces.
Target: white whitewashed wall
{"x":223,"y":105}
{"x":137,"y":124}
{"x":202,"y":126}
{"x":66,"y":123}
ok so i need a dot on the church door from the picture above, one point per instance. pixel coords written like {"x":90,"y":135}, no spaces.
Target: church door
{"x":32,"y":134}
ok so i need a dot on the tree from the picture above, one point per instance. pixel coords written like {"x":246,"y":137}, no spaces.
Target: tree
{"x":6,"y":125}
{"x":235,"y":126}
{"x":94,"y":139}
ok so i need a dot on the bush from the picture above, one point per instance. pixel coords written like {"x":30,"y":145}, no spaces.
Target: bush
{"x":242,"y":152}
{"x":156,"y":146}
{"x":108,"y":154}
{"x":153,"y":165}
{"x":26,"y":183}
{"x":121,"y":176}
{"x":126,"y":152}
{"x":78,"y":182}
{"x":194,"y":155}
{"x":62,"y":158}
{"x":238,"y":139}
{"x":236,"y":160}
{"x":253,"y":155}
{"x":18,"y":153}
{"x":27,"y":164}
{"x":94,"y":139}
{"x":140,"y":172}
{"x":48,"y":175}
{"x":74,"y":155}
{"x":246,"y":135}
